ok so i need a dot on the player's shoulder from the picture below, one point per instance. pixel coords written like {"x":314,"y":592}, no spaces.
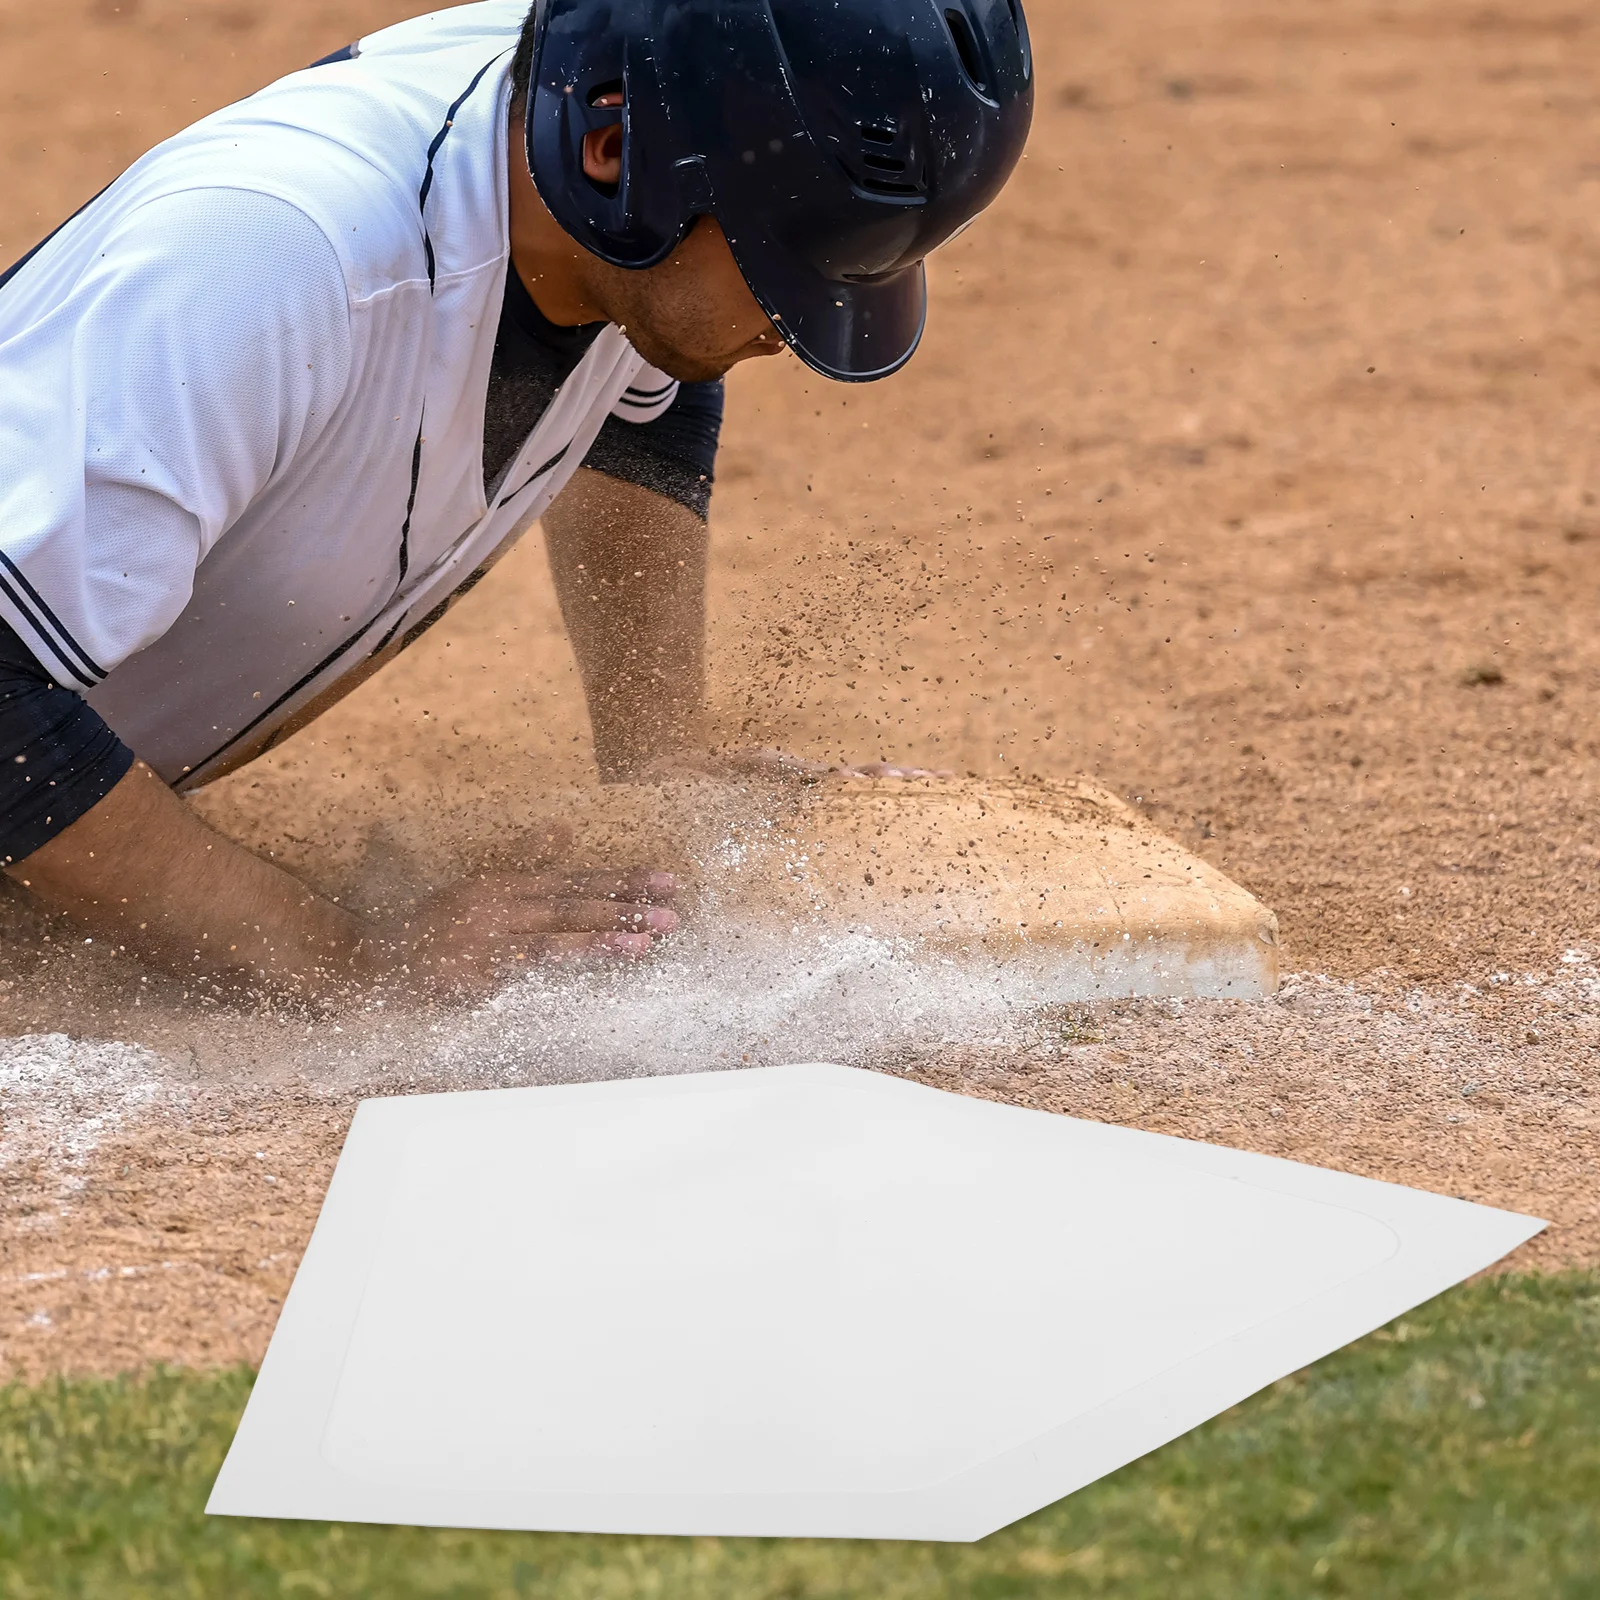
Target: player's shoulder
{"x":395,"y":156}
{"x":363,"y":145}
{"x":364,"y":212}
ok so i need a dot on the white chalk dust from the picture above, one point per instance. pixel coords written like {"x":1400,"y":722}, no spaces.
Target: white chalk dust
{"x":60,"y":1097}
{"x":204,"y":1189}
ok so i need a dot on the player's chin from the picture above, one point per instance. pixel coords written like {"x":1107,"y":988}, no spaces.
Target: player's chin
{"x":705,"y":367}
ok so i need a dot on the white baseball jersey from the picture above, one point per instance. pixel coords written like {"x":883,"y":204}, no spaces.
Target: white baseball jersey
{"x":242,"y":395}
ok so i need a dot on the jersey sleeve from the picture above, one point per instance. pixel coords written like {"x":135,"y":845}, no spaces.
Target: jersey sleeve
{"x":648,"y":395}
{"x":667,"y":443}
{"x":147,"y":404}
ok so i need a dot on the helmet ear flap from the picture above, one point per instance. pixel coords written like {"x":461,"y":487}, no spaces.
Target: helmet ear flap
{"x":634,"y":222}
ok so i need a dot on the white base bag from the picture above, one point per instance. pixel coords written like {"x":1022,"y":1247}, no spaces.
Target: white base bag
{"x":805,"y":1300}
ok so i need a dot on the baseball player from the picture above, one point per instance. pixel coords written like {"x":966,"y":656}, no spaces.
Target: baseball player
{"x":307,"y":369}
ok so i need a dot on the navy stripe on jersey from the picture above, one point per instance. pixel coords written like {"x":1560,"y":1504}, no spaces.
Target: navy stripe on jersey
{"x":433,"y":150}
{"x":538,"y":472}
{"x":62,"y":645}
{"x":636,"y":397}
{"x":660,"y":440}
{"x":345,"y":53}
{"x":411,"y":505}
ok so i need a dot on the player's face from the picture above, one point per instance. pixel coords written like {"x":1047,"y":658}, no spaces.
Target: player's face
{"x":693,"y":316}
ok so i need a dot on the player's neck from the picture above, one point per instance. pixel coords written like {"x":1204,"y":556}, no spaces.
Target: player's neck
{"x":549,"y":263}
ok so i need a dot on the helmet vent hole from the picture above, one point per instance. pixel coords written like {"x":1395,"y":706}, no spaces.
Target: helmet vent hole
{"x":606,"y":91}
{"x":900,"y":191}
{"x":886,"y":161}
{"x":966,"y":47}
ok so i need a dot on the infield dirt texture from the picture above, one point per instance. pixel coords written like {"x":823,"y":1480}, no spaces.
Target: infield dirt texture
{"x":1248,"y":467}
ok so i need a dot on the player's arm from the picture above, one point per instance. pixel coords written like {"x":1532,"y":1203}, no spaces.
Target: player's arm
{"x":142,"y":870}
{"x":628,"y":545}
{"x":629,"y":565}
{"x":96,"y":834}
{"x":629,"y":568}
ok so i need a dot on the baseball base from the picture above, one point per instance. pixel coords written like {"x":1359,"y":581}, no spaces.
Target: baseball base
{"x":1059,"y":879}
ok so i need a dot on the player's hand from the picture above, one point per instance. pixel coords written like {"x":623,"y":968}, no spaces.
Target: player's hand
{"x":776,"y":766}
{"x":463,"y":940}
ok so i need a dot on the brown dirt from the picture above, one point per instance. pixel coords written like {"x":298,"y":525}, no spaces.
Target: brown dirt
{"x":1247,"y":467}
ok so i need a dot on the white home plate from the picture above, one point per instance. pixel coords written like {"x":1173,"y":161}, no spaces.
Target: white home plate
{"x":803,"y":1300}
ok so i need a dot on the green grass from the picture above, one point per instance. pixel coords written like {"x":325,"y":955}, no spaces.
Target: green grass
{"x":1453,"y":1456}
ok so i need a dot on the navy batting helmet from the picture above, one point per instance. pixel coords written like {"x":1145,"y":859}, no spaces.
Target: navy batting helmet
{"x":837,"y":142}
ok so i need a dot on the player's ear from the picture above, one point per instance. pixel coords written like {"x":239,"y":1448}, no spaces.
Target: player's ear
{"x":602,"y":149}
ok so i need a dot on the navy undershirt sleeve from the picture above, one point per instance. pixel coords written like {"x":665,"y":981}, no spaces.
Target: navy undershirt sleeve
{"x":675,"y":454}
{"x":57,"y":756}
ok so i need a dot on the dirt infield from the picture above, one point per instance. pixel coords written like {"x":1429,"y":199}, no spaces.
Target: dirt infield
{"x":1247,"y":467}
